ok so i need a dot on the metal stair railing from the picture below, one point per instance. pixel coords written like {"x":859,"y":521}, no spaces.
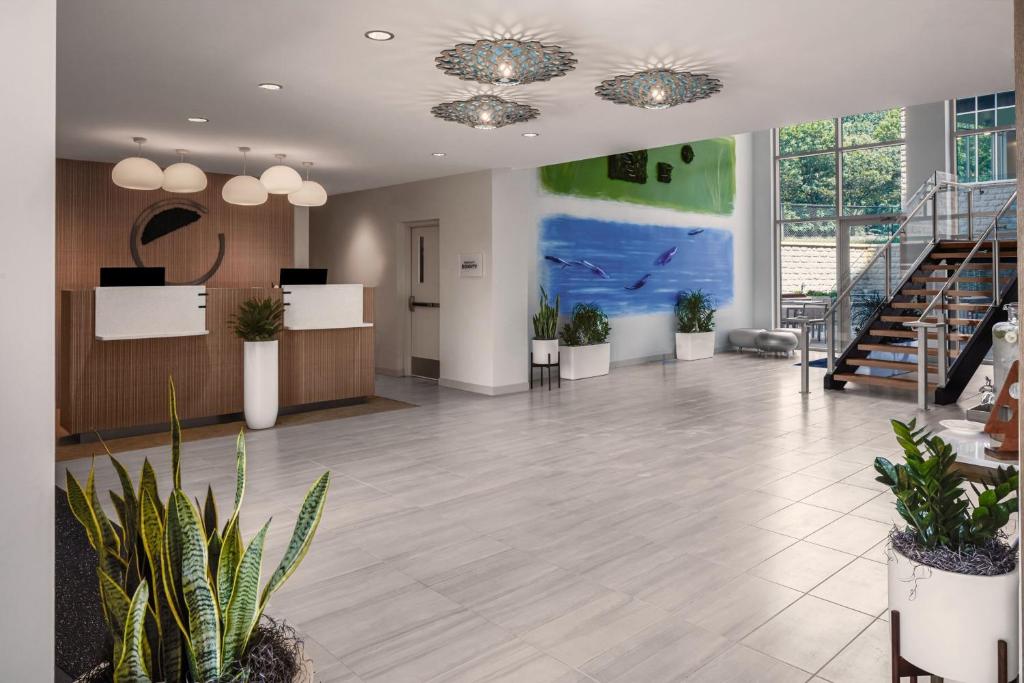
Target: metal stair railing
{"x":937,"y":305}
{"x":934,"y":186}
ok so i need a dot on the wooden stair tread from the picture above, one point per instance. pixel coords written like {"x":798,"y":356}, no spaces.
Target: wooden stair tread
{"x":918,"y":305}
{"x":981,"y":253}
{"x":912,"y":334}
{"x":897,"y":348}
{"x":973,"y":266}
{"x":894,"y":382}
{"x":960,"y":243}
{"x":955,"y":293}
{"x":941,"y":278}
{"x":931,"y":319}
{"x":910,"y":366}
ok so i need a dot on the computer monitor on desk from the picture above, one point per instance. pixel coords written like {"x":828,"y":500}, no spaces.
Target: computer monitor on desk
{"x":303,"y":276}
{"x":132,"y":277}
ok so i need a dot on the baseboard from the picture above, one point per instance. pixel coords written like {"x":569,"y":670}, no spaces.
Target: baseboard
{"x":389,"y":372}
{"x":483,"y":389}
{"x":642,"y":360}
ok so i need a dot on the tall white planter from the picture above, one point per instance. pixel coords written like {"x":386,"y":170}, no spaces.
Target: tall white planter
{"x":260,"y":384}
{"x":580,"y":362}
{"x":950,"y":624}
{"x":695,"y":345}
{"x":543,"y":350}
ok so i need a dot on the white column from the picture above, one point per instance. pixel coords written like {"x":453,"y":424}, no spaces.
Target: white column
{"x":28,"y":35}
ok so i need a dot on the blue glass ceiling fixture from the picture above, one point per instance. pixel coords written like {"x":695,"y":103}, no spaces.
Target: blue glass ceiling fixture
{"x":506,"y":61}
{"x":485,"y":112}
{"x":658,"y":88}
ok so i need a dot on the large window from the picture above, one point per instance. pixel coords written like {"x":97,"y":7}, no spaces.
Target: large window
{"x":840,"y":185}
{"x":985,"y":137}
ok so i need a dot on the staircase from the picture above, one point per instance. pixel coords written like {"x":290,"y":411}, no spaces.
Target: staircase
{"x":945,"y":299}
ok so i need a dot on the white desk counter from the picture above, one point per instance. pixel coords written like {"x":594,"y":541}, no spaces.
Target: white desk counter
{"x":150,"y":312}
{"x":323,"y":307}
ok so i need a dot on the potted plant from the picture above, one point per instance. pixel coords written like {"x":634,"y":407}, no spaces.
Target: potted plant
{"x":953,"y":577}
{"x":545,"y":331}
{"x":585,"y":351}
{"x":180,"y":593}
{"x":257,"y":323}
{"x":695,"y":325}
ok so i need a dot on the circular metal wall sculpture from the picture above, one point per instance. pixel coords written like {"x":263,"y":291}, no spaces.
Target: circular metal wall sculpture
{"x":485,"y":112}
{"x":164,"y":217}
{"x":505,"y":62}
{"x":658,"y":88}
{"x":686,"y":154}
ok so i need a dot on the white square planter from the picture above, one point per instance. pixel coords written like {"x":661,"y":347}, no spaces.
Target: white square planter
{"x":580,"y":362}
{"x":695,"y":345}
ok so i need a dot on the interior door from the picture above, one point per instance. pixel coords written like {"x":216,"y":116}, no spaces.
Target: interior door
{"x":424,"y":302}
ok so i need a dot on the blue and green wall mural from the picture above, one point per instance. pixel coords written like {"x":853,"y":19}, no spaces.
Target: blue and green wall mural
{"x":636,"y":268}
{"x":697,"y":177}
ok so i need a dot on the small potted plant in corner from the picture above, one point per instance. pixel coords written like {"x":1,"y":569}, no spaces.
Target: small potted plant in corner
{"x":953,"y":577}
{"x":545,"y":331}
{"x":257,"y":323}
{"x":695,"y":326}
{"x":585,"y":351}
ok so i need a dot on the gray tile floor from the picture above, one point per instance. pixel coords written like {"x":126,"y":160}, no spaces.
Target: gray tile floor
{"x":672,"y":521}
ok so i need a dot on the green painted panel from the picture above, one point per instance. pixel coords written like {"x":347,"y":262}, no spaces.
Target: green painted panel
{"x":705,"y":185}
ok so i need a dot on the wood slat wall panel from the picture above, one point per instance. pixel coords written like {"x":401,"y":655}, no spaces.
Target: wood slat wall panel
{"x":120,"y":384}
{"x":94,"y":220}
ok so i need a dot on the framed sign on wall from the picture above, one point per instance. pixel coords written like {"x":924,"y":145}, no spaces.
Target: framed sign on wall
{"x":471,"y":265}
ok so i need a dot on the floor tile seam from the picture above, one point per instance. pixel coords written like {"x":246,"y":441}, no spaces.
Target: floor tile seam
{"x":843,"y":648}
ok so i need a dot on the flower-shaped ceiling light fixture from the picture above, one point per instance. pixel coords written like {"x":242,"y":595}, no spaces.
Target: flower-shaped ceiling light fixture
{"x":485,"y":112}
{"x":658,"y":88}
{"x":505,"y":61}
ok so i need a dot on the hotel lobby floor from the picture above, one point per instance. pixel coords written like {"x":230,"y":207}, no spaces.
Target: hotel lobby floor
{"x":681,"y":521}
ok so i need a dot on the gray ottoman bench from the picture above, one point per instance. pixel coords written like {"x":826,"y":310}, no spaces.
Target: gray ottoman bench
{"x":744,"y":337}
{"x":765,"y":341}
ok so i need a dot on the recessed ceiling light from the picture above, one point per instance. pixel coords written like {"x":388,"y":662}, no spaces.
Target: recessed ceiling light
{"x":530,"y":135}
{"x":271,"y":86}
{"x":379,"y":35}
{"x":198,"y":119}
{"x":438,"y":154}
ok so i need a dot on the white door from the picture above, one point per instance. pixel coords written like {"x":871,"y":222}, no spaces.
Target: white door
{"x":424,"y":302}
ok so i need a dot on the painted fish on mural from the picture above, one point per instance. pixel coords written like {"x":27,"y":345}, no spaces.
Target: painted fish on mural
{"x":666,"y":256}
{"x":638,"y":284}
{"x":560,"y":261}
{"x":696,"y":231}
{"x":596,"y":270}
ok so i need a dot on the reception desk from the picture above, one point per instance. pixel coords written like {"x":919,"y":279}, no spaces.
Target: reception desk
{"x":118,"y":379}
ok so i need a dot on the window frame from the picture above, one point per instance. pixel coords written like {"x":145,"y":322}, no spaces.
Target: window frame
{"x":956,"y":133}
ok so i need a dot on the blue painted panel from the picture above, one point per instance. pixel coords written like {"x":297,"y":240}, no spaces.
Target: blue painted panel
{"x":605,"y":262}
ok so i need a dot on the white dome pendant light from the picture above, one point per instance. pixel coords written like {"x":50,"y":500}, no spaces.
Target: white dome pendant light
{"x":183,"y":176}
{"x":244,"y":190}
{"x":138,"y":172}
{"x":281,"y":179}
{"x":311,"y":193}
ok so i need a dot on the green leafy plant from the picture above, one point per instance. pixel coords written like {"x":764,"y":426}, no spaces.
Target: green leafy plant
{"x":587,"y":325}
{"x":545,"y":322}
{"x":695,"y":312}
{"x":258,"y":319}
{"x":180,"y":594}
{"x":930,"y":495}
{"x":864,"y":307}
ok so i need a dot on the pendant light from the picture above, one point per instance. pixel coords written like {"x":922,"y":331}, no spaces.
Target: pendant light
{"x":244,"y":190}
{"x":281,"y":179}
{"x":138,"y":172}
{"x":311,"y":193}
{"x":183,"y":176}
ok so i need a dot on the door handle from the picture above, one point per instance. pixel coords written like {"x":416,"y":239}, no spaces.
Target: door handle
{"x":413,"y":304}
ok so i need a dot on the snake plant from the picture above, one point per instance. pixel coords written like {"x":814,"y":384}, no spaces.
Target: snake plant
{"x":180,"y":594}
{"x":545,"y":322}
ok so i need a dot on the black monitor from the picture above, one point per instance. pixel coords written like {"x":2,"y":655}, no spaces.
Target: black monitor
{"x":132,"y":277}
{"x":303,"y":276}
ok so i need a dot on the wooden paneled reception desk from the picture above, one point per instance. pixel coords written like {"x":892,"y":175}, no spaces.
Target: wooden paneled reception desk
{"x":115,"y":361}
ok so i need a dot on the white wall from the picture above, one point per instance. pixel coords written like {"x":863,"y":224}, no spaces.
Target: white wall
{"x":643,"y":337}
{"x":763,"y":256}
{"x":927,"y":149}
{"x":27,"y":69}
{"x":363,"y":237}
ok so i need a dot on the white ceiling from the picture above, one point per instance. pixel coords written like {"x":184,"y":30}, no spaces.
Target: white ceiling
{"x":361,"y":109}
